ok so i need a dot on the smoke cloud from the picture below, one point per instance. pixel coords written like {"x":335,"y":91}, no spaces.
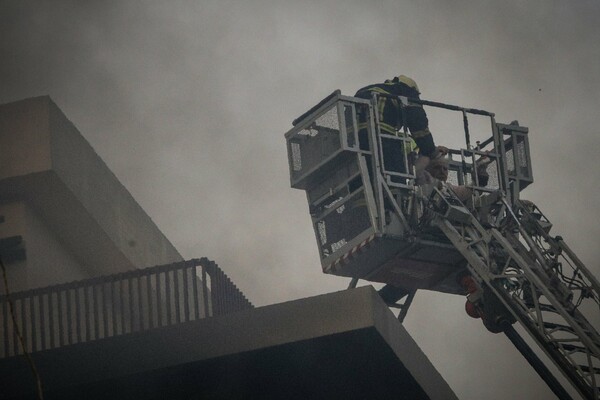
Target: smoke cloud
{"x":187,"y":102}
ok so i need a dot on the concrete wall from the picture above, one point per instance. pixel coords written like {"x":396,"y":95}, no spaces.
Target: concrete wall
{"x":85,"y":219}
{"x":24,"y":137}
{"x":103,"y":196}
{"x":48,"y":260}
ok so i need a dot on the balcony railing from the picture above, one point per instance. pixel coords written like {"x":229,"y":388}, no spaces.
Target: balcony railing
{"x":118,"y":304}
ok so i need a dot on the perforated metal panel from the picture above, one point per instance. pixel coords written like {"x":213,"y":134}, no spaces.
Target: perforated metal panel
{"x":320,"y":139}
{"x":342,"y":220}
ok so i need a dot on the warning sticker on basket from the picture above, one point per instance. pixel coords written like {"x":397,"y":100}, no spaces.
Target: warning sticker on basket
{"x":338,"y":245}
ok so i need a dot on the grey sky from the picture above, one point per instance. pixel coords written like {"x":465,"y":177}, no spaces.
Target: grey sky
{"x":187,"y":103}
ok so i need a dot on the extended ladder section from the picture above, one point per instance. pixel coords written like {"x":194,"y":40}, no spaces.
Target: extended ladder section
{"x":373,"y":222}
{"x":540,"y":283}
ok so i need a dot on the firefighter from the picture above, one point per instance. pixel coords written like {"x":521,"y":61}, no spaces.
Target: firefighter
{"x":392,"y":117}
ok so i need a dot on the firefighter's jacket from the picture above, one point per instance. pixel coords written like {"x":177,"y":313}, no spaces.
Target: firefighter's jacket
{"x":391,"y":116}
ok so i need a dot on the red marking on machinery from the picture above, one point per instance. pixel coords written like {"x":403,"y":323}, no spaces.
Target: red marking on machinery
{"x":353,"y":251}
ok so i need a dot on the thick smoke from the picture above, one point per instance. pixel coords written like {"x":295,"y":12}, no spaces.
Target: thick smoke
{"x":188,"y":103}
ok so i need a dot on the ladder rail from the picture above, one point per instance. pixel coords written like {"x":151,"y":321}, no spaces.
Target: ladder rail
{"x":580,"y":329}
{"x":522,"y":273}
{"x":555,"y":249}
{"x":584,"y":382}
{"x":587,"y":273}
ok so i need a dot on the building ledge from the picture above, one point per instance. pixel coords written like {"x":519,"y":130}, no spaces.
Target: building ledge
{"x":340,"y":345}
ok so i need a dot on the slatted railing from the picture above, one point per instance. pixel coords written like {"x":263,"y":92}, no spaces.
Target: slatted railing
{"x":118,"y":304}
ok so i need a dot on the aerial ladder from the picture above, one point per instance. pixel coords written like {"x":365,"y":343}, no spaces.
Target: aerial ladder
{"x":373,"y":222}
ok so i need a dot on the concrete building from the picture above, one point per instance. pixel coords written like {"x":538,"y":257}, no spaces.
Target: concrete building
{"x":101,"y":322}
{"x":344,"y":345}
{"x":75,"y":217}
